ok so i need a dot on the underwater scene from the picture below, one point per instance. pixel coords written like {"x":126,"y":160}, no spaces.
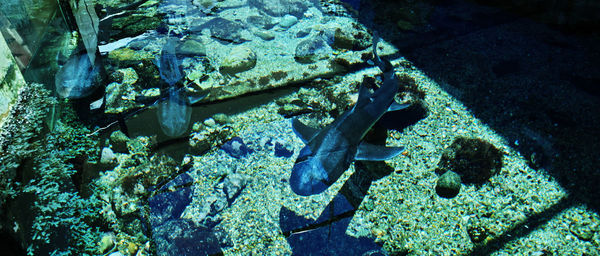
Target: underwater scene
{"x":299,"y":127}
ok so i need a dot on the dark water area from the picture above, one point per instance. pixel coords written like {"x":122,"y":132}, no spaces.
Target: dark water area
{"x":522,"y":68}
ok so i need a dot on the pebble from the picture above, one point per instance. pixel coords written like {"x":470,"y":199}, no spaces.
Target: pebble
{"x":119,"y":140}
{"x":233,"y":185}
{"x":191,"y":47}
{"x":210,"y":122}
{"x":264,"y":35}
{"x":279,"y":8}
{"x":223,"y":29}
{"x":311,"y":50}
{"x":448,"y":185}
{"x":236,"y":148}
{"x":288,"y":21}
{"x":106,"y":243}
{"x":107,"y":156}
{"x":264,"y":22}
{"x":240,"y":59}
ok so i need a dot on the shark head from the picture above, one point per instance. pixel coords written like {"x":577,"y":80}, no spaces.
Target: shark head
{"x":308,"y":175}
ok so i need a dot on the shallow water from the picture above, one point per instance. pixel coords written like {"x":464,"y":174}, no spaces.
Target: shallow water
{"x":190,"y":150}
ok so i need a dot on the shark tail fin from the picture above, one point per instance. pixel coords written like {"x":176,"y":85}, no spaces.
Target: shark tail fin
{"x":383,"y":64}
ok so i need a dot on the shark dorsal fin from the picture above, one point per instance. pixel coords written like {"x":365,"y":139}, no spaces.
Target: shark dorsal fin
{"x":370,"y":152}
{"x":304,"y":132}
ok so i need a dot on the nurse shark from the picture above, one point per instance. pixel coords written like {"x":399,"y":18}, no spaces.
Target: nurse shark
{"x":174,"y":111}
{"x":330,"y":151}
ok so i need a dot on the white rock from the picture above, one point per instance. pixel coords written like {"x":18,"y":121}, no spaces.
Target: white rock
{"x":288,"y":21}
{"x":107,"y":156}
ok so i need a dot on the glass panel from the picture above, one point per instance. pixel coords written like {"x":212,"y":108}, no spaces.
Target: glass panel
{"x":294,"y":127}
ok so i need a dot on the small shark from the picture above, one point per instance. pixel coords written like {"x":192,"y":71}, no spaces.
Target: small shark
{"x":168,"y":64}
{"x":329,"y":152}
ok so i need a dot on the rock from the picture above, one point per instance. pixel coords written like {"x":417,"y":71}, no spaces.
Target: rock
{"x":283,"y":150}
{"x":236,"y":148}
{"x":221,"y":118}
{"x":288,"y":21}
{"x":210,"y":122}
{"x":205,"y":137}
{"x":119,"y":140}
{"x":106,"y":243}
{"x":117,"y":253}
{"x":279,"y":8}
{"x":263,"y":22}
{"x":303,"y":33}
{"x":138,"y":44}
{"x":344,"y":33}
{"x":477,"y":232}
{"x":169,"y":205}
{"x":190,"y":48}
{"x":183,"y":237}
{"x":351,"y":39}
{"x":142,"y":145}
{"x":120,"y":97}
{"x":133,"y":25}
{"x":233,"y":185}
{"x":448,"y":185}
{"x":205,"y":4}
{"x":475,"y":160}
{"x":584,"y":230}
{"x":151,"y":93}
{"x":126,"y":57}
{"x":107,"y":156}
{"x":223,"y":29}
{"x":312,"y":50}
{"x":264,"y":35}
{"x":240,"y":59}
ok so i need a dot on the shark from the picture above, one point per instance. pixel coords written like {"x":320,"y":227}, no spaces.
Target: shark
{"x":174,"y":110}
{"x":330,"y":151}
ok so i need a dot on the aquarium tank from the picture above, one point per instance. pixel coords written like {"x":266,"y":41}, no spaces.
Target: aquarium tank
{"x":299,"y":127}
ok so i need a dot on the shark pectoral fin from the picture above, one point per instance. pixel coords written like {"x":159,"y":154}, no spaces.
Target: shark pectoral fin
{"x":304,"y":132}
{"x":156,"y":62}
{"x":395,"y":106}
{"x":364,"y":96}
{"x":193,"y":99}
{"x":370,"y":152}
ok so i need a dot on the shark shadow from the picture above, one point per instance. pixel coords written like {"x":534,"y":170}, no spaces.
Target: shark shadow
{"x":327,"y":234}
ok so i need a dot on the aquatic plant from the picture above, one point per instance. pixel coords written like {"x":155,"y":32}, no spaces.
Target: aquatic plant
{"x":48,"y":212}
{"x":23,"y":123}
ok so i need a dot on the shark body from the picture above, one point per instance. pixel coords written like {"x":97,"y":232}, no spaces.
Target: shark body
{"x":329,"y":152}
